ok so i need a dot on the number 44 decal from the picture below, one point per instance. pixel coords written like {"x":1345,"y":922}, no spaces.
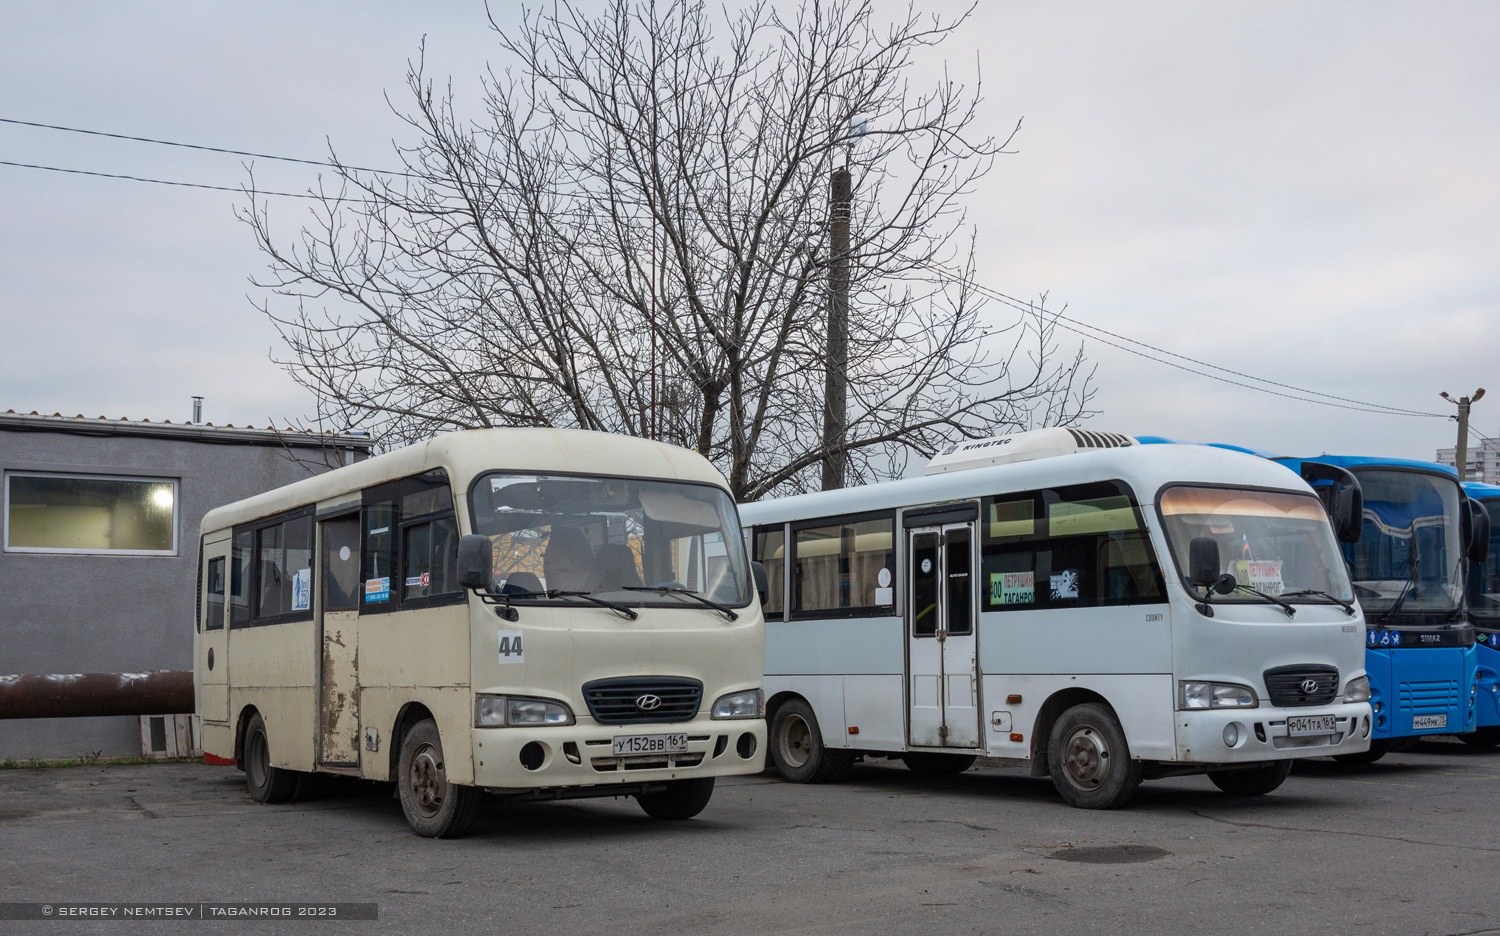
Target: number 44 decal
{"x":511,"y":650}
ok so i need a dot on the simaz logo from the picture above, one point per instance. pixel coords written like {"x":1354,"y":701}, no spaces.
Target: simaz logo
{"x":1309,"y":686}
{"x":1430,"y":638}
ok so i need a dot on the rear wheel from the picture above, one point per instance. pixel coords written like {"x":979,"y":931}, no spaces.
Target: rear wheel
{"x":1378,"y":749}
{"x":797,"y":749}
{"x":266,"y":784}
{"x":682,"y":799}
{"x":1257,"y":781}
{"x":1089,"y":760}
{"x":435,"y":807}
{"x":928,"y":764}
{"x":1483,"y":739}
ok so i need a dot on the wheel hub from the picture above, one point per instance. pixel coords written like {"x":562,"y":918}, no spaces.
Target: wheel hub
{"x":427,"y":781}
{"x":1086,"y":758}
{"x":795,"y":741}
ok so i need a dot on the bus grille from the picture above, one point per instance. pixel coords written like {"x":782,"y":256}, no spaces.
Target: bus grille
{"x":1284,"y":683}
{"x":616,"y":701}
{"x":1429,"y":698}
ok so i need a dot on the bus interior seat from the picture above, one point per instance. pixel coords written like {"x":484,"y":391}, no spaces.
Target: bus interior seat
{"x":568,"y":561}
{"x":614,"y":567}
{"x":519,"y":583}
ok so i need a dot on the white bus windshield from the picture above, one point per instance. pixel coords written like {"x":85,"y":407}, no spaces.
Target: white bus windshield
{"x":1409,"y":550}
{"x":610,"y":537}
{"x":1276,"y":543}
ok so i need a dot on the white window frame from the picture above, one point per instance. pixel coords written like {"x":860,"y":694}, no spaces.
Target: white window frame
{"x":78,"y":476}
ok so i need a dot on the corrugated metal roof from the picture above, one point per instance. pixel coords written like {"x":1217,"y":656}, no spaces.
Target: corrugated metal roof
{"x":124,"y":425}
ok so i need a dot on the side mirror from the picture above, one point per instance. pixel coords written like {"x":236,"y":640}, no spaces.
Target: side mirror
{"x":476,"y":561}
{"x":1342,"y":498}
{"x":1479,"y":532}
{"x":1203,"y":561}
{"x":762,"y":583}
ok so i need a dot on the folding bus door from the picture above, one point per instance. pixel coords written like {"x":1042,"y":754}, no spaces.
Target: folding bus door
{"x":942,"y":682}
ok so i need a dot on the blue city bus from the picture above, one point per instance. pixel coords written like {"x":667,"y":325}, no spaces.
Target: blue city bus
{"x":1409,"y":569}
{"x":1408,"y":562}
{"x":1484,"y":611}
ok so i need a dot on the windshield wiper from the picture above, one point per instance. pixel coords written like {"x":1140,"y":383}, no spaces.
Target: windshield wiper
{"x":508,"y":611}
{"x":616,"y":607}
{"x":725,"y":610}
{"x":1348,"y":606}
{"x":1410,"y":587}
{"x":1290,"y":611}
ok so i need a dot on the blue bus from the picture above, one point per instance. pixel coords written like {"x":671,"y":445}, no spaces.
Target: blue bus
{"x":1408,"y":562}
{"x":1484,"y":611}
{"x":1409,"y":569}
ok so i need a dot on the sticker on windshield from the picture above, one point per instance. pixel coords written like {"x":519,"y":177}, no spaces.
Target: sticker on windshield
{"x":1260,"y":574}
{"x":1065,"y":585}
{"x":1009,"y":588}
{"x":511,"y":650}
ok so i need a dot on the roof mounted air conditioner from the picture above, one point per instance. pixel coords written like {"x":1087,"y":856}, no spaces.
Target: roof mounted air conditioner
{"x":1022,"y":446}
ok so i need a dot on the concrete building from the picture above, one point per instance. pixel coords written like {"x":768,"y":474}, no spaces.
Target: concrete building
{"x":98,"y":561}
{"x":1482,"y":463}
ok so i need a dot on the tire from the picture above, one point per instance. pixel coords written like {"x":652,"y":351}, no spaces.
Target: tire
{"x":1089,"y":761}
{"x":266,"y":784}
{"x":1482,"y":739}
{"x":1255,"y":782}
{"x":683,"y":799}
{"x":434,"y":807}
{"x":928,"y":764}
{"x":1378,"y":749}
{"x":796,"y":747}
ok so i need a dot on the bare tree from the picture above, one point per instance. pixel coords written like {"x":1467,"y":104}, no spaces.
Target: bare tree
{"x":634,"y":238}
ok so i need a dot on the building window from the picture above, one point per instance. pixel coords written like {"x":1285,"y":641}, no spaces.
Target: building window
{"x":83,"y":514}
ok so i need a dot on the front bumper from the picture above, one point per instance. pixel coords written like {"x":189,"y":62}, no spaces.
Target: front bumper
{"x":582,"y":755}
{"x":1260,"y":734}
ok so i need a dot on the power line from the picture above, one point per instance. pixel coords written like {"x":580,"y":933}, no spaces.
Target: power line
{"x":1324,"y":398}
{"x":207,"y":149}
{"x":195,"y":185}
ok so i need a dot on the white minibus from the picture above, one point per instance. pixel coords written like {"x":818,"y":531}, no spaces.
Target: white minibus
{"x":535,"y":613}
{"x":1103,"y":611}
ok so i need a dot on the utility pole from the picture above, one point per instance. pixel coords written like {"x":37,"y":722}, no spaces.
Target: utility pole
{"x":1463,"y":404}
{"x":836,"y":377}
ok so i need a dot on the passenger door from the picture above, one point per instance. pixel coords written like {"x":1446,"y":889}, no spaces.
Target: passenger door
{"x":338,"y":635}
{"x":942,"y":683}
{"x":212,"y":665}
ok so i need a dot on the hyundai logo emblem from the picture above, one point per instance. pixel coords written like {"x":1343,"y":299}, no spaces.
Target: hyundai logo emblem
{"x":1309,"y":686}
{"x":648,"y":703}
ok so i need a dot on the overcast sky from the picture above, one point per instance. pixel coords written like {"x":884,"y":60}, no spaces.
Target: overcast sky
{"x":1306,"y":193}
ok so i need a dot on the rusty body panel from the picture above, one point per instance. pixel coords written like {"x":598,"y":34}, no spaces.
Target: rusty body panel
{"x":91,"y":695}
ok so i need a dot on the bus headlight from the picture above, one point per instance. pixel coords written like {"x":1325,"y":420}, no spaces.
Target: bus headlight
{"x":746,"y":704}
{"x":1358,"y":689}
{"x":1203,"y":695}
{"x":498,"y":711}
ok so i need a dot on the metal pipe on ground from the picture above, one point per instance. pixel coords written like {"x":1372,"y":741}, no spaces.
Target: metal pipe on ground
{"x":91,"y":695}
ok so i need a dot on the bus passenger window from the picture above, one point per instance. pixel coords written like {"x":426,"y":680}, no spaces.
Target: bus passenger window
{"x":837,"y":567}
{"x":341,"y":564}
{"x":379,"y":554}
{"x":429,"y":552}
{"x":213,"y":604}
{"x":296,"y":582}
{"x":241,"y":578}
{"x":268,"y":571}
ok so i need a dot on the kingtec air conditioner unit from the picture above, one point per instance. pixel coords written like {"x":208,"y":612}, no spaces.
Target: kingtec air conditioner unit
{"x":1022,"y":446}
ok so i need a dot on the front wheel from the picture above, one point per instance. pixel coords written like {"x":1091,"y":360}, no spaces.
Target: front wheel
{"x":797,"y":750}
{"x":1483,"y":739}
{"x":1257,"y":781}
{"x":682,"y":799}
{"x":266,"y":784}
{"x":928,"y":764}
{"x":434,"y":807}
{"x":1089,"y":760}
{"x":1378,"y":749}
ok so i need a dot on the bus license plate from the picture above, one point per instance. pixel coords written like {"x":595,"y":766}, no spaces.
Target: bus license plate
{"x":1311,"y":724}
{"x":650,"y":744}
{"x":1422,"y":722}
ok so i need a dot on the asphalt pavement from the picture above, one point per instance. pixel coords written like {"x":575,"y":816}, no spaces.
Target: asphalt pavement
{"x":1409,"y":845}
